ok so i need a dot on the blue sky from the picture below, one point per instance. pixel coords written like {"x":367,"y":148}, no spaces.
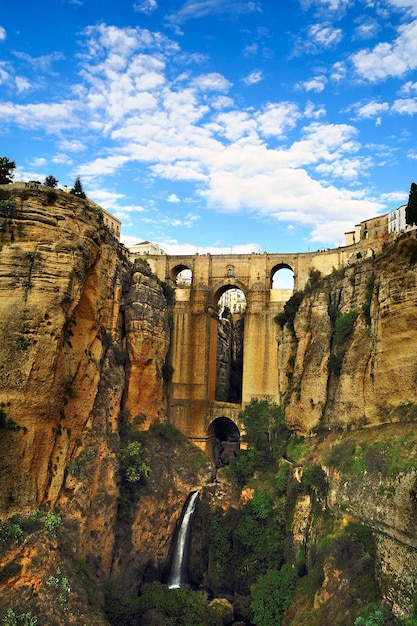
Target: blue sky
{"x":216,"y":125}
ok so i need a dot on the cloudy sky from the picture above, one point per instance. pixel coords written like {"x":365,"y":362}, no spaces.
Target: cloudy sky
{"x":216,"y":125}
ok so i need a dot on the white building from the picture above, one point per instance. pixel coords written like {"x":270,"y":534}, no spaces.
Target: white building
{"x":396,"y":220}
{"x":145,"y":248}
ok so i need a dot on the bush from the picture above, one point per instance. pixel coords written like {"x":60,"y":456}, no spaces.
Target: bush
{"x":272,"y":595}
{"x":9,"y":570}
{"x":169,"y":293}
{"x":291,"y":307}
{"x":341,"y":455}
{"x":52,"y":525}
{"x":134,"y":462}
{"x":345,"y":323}
{"x":315,"y":480}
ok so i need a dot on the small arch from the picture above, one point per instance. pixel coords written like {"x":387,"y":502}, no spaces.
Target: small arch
{"x":182,"y":275}
{"x":224,"y":436}
{"x":282,"y":276}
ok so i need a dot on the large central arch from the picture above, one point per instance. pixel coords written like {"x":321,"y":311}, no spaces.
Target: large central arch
{"x":221,"y":288}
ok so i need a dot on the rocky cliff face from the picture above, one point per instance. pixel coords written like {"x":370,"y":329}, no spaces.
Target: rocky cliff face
{"x":84,"y":337}
{"x":363,"y":377}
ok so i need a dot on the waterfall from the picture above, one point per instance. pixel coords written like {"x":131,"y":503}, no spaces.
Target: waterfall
{"x":180,"y":549}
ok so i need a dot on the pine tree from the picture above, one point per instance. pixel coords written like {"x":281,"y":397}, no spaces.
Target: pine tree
{"x":78,"y":190}
{"x":411,"y":209}
{"x":51,"y":181}
{"x":6,"y":168}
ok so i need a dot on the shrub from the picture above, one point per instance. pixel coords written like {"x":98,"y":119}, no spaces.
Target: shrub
{"x":169,"y":293}
{"x":345,"y":323}
{"x":341,"y":455}
{"x":272,"y":595}
{"x":291,"y":307}
{"x":315,"y":480}
{"x":134,"y":462}
{"x":52,"y":197}
{"x":9,"y":570}
{"x":52,"y":524}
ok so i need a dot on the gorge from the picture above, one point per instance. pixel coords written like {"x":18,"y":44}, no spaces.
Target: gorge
{"x":95,"y":472}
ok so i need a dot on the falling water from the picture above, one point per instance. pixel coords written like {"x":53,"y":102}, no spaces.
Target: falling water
{"x":180,"y":552}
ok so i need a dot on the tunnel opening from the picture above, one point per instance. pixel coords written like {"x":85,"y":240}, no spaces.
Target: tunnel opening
{"x":231,"y":305}
{"x":225,"y":437}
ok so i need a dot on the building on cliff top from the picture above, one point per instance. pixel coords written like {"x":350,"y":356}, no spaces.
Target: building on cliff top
{"x":144,"y":248}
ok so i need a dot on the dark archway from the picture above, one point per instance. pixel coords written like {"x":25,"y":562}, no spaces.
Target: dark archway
{"x":225,"y":437}
{"x":282,"y":277}
{"x":230,"y":306}
{"x":182,"y":276}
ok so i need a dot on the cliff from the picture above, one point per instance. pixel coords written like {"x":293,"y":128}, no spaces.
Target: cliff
{"x":94,"y":477}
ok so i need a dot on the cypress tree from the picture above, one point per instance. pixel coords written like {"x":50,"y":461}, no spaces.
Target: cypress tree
{"x":411,"y":209}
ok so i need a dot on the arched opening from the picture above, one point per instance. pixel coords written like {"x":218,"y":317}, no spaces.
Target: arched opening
{"x":282,"y":277}
{"x":230,"y":306}
{"x":182,"y":276}
{"x":225,"y":438}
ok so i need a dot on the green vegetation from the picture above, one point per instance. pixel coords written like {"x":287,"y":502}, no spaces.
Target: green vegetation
{"x":77,"y":189}
{"x":77,"y":467}
{"x":52,"y":524}
{"x":168,"y":291}
{"x":23,"y":619}
{"x":291,"y":307}
{"x":10,"y":570}
{"x":388,"y":457}
{"x":366,"y":307}
{"x":272,"y":595}
{"x":51,"y":181}
{"x":156,"y":604}
{"x":344,"y":324}
{"x":8,"y":209}
{"x":6,"y":170}
{"x":411,"y":208}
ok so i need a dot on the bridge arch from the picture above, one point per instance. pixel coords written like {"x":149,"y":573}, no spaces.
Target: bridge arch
{"x":223,"y":440}
{"x":177,"y":270}
{"x":224,"y":285}
{"x":274,"y":275}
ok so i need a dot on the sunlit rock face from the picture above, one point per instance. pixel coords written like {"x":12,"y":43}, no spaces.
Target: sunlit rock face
{"x":377,"y":369}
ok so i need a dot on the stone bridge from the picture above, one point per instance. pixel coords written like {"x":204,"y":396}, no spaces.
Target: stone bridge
{"x":193,"y":407}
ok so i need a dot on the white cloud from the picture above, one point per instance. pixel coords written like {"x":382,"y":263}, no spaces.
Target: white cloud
{"x":39,"y":162}
{"x":405,"y":106}
{"x":175,"y":248}
{"x":173,"y":198}
{"x":2,"y":33}
{"x":316,"y":84}
{"x":211,"y":82}
{"x":197,"y":9}
{"x":145,"y":6}
{"x":253,"y":78}
{"x":389,"y":59}
{"x":22,"y":84}
{"x":325,"y":35}
{"x":372,"y":109}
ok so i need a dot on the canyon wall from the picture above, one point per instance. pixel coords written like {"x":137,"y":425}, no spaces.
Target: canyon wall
{"x":84,"y":345}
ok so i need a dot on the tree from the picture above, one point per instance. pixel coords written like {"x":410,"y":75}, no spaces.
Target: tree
{"x":6,"y":170}
{"x":78,"y":190}
{"x":411,"y":208}
{"x":51,"y":181}
{"x":272,"y":595}
{"x":265,"y":428}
